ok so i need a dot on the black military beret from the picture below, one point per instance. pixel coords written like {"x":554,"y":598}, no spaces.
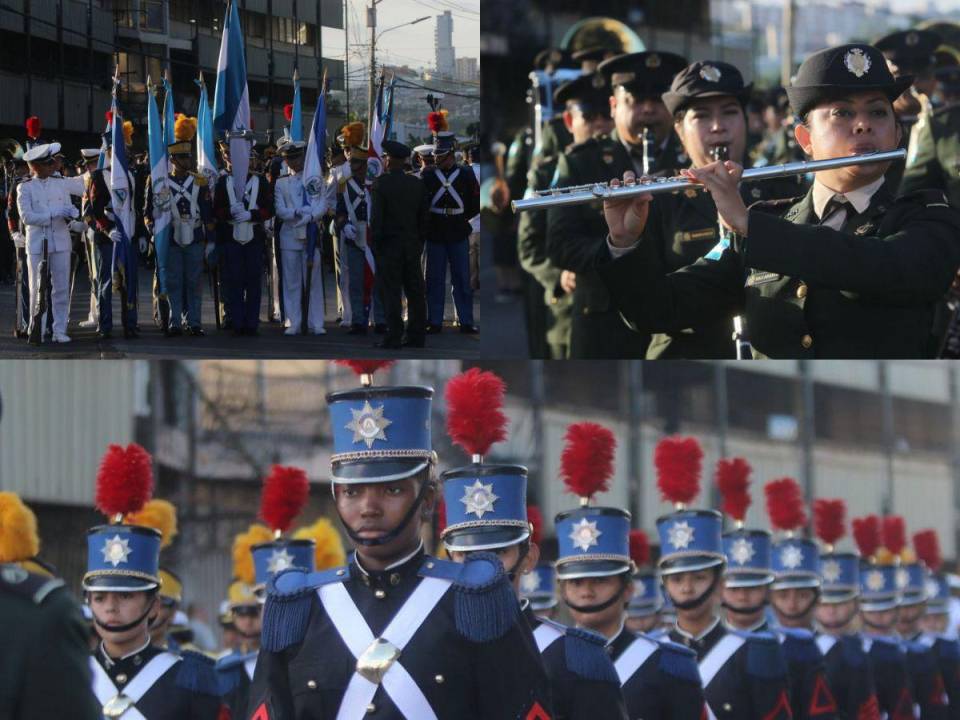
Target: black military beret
{"x":396,"y":149}
{"x":840,"y":71}
{"x":642,"y":73}
{"x":910,"y":50}
{"x":707,"y":78}
{"x":590,"y":91}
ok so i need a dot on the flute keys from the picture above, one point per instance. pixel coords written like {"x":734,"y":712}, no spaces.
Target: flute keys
{"x":802,"y":290}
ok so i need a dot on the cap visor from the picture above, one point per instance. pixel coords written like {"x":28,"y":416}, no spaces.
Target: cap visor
{"x":118,"y":583}
{"x":480,"y":538}
{"x":689,"y":563}
{"x":377,"y":470}
{"x":592,"y":568}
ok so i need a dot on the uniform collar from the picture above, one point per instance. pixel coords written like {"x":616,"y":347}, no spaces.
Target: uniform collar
{"x":617,"y":634}
{"x":704,"y":642}
{"x":859,"y":198}
{"x":109,"y":662}
{"x":398,"y":565}
{"x":683,"y":633}
{"x":758,"y":627}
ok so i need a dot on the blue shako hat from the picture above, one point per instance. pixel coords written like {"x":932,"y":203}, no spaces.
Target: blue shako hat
{"x":938,"y":594}
{"x":540,"y":587}
{"x":795,"y":560}
{"x":647,"y":599}
{"x":690,"y":540}
{"x":123,"y":557}
{"x":878,"y":575}
{"x":591,"y":541}
{"x":912,"y":583}
{"x":926,"y":544}
{"x":486,"y":504}
{"x":747,"y":552}
{"x":380,"y":433}
{"x":839,"y":571}
{"x":281,"y":554}
{"x":285,"y":493}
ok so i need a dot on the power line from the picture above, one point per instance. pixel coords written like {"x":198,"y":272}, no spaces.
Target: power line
{"x":408,"y":83}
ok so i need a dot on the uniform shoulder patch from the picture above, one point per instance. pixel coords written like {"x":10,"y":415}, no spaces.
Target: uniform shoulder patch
{"x":290,"y":595}
{"x":765,"y":658}
{"x":679,"y":661}
{"x":928,"y":197}
{"x":197,"y":674}
{"x":586,"y":656}
{"x":485,"y":605}
{"x":437,"y":568}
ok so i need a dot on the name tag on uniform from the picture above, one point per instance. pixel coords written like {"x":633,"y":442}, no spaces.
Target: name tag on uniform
{"x":693,"y":235}
{"x":761,"y":278}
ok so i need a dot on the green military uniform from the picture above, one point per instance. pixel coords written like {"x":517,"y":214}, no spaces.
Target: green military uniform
{"x":575,"y":232}
{"x":934,"y":158}
{"x":44,"y":666}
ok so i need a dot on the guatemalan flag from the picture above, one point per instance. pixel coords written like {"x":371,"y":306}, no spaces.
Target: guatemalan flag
{"x":124,"y":260}
{"x":231,"y":101}
{"x":377,"y":133}
{"x":169,"y":119}
{"x":161,"y":193}
{"x":313,"y":163}
{"x":296,"y":118}
{"x":206,"y":159}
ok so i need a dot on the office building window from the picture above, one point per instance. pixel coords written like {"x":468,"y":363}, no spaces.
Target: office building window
{"x":152,"y":16}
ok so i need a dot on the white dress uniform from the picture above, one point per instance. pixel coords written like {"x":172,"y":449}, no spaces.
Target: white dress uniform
{"x":46,"y":210}
{"x":334,"y":185}
{"x":290,"y":196}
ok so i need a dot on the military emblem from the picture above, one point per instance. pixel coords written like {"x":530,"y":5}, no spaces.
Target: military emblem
{"x":903,"y":579}
{"x":279,"y":560}
{"x":374,"y":168}
{"x":710,"y":73}
{"x":584,"y":534}
{"x":680,"y":535}
{"x":690,"y":193}
{"x":931,"y":588}
{"x":742,"y":551}
{"x":875,"y":580}
{"x":368,"y":424}
{"x":14,"y":574}
{"x":479,"y":498}
{"x":830,"y":571}
{"x":911,"y":39}
{"x":756,"y":193}
{"x":653,"y":61}
{"x":791,"y":557}
{"x":529,"y":583}
{"x":116,"y":550}
{"x":314,"y":186}
{"x":857,"y":62}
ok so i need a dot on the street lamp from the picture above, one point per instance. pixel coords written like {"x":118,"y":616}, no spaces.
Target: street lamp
{"x":374,"y":36}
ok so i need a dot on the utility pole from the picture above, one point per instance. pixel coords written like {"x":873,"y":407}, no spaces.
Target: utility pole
{"x":372,"y":24}
{"x":786,"y":62}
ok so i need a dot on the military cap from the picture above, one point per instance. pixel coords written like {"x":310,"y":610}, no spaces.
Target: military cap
{"x":642,"y":73}
{"x":909,"y":50}
{"x":41,"y":153}
{"x":839,"y":71}
{"x":590,"y":57}
{"x":396,"y":149}
{"x":293,"y":147}
{"x":552,"y":57}
{"x":90,"y":153}
{"x":426,"y":149}
{"x":589,"y":91}
{"x":706,"y":78}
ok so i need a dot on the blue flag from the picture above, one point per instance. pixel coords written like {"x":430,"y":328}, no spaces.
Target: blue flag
{"x":231,"y":101}
{"x":121,"y":193}
{"x":169,"y":138}
{"x":296,"y":119}
{"x":313,"y":163}
{"x":161,"y":193}
{"x":206,"y":158}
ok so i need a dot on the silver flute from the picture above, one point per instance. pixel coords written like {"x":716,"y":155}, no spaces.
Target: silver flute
{"x":581,"y":194}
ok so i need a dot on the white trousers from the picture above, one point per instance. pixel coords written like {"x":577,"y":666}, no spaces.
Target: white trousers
{"x":60,"y":287}
{"x":294,"y":275}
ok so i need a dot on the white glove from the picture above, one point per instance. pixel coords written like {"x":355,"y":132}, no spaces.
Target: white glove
{"x":71,"y":212}
{"x":243,"y":216}
{"x":237,"y":208}
{"x":349,"y":231}
{"x":77,"y":226}
{"x":114,"y":236}
{"x":143,"y":246}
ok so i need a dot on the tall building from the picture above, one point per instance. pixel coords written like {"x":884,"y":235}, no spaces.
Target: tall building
{"x":446,"y":57}
{"x":467,"y":70}
{"x":59,"y":56}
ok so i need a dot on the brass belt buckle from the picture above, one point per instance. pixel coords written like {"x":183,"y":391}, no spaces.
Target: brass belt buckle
{"x":377,"y":659}
{"x":117,"y":706}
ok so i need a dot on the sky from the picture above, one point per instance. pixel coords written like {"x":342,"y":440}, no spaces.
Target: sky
{"x":413,"y":45}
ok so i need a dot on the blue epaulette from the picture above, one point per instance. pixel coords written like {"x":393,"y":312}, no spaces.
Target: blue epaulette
{"x":764,"y":655}
{"x":229,"y":669}
{"x":948,"y":649}
{"x":290,"y":595}
{"x":485,"y":605}
{"x":920,"y":659}
{"x":799,"y":646}
{"x":586,"y":655}
{"x":852,"y":648}
{"x":679,"y":661}
{"x":196,"y":673}
{"x":886,"y":650}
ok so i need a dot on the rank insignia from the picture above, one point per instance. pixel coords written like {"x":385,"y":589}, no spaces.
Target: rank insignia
{"x":831,"y":571}
{"x":585,"y":534}
{"x":368,"y":424}
{"x":791,"y":557}
{"x":680,"y":535}
{"x":280,"y":560}
{"x":742,"y":551}
{"x":875,"y":580}
{"x":479,"y":498}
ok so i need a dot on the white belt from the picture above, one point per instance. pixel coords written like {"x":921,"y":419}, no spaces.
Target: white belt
{"x":636,"y":654}
{"x":117,"y":704}
{"x":716,"y":659}
{"x":545,"y":635}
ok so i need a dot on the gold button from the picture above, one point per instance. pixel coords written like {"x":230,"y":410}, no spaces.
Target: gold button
{"x":121,"y":678}
{"x":379,"y":594}
{"x":439,"y":679}
{"x":371,"y":708}
{"x":727,"y":707}
{"x":802,"y":291}
{"x":312,"y":684}
{"x":806,"y":341}
{"x":341,"y":572}
{"x":429,"y":566}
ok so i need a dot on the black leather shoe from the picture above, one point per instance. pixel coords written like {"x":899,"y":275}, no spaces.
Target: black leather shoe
{"x":469,"y":329}
{"x":434,"y":329}
{"x":197,"y":331}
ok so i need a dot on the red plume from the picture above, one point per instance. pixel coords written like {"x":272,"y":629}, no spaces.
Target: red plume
{"x":124,"y":480}
{"x":33,"y":127}
{"x":829,"y":518}
{"x":435,"y":122}
{"x":678,"y":461}
{"x":586,"y":464}
{"x":894,"y":533}
{"x":639,"y":547}
{"x":285,"y":492}
{"x":927,"y":546}
{"x":474,"y":418}
{"x":441,"y":513}
{"x":108,"y":115}
{"x":535,"y":518}
{"x":288,"y":111}
{"x":733,"y":481}
{"x":785,"y":504}
{"x":365,"y":367}
{"x":866,"y":533}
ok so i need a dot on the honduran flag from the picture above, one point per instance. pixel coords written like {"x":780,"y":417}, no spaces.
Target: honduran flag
{"x":206,"y":158}
{"x":296,"y":118}
{"x":313,"y":162}
{"x":124,"y":260}
{"x":231,"y":101}
{"x":161,"y":194}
